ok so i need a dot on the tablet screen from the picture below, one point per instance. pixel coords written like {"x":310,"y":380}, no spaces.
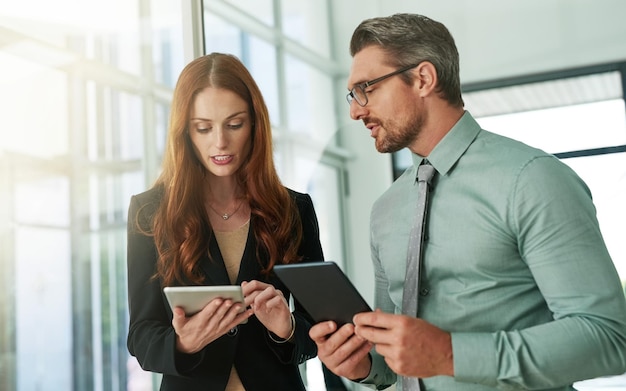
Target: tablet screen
{"x":193,"y":298}
{"x":323,"y":290}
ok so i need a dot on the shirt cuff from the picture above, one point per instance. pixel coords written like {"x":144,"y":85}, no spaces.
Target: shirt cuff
{"x":377,"y":371}
{"x":474,"y":356}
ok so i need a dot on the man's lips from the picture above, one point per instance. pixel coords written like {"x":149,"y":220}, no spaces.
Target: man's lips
{"x":373,"y":128}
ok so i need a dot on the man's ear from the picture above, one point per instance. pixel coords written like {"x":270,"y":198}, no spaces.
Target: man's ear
{"x":425,"y":78}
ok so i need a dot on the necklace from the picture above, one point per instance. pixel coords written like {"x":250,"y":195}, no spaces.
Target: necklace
{"x":226,"y":215}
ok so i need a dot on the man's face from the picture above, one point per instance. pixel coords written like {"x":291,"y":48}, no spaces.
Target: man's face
{"x":394,"y":113}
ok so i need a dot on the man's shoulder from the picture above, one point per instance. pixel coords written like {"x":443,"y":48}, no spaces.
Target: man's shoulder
{"x":505,"y":147}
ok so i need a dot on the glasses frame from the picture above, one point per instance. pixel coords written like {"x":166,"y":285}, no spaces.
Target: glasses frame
{"x":353,"y":95}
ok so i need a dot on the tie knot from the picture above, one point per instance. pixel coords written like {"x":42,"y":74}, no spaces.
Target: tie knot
{"x":425,"y":173}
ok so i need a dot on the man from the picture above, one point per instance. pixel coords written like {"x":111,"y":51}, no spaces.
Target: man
{"x":517,"y":288}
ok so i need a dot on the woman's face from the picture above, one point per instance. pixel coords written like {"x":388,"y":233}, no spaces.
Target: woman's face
{"x":220,"y":128}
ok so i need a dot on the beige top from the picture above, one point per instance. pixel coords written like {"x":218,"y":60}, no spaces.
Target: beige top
{"x":232,"y":245}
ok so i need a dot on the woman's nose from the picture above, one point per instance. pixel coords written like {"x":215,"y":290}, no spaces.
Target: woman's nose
{"x":221,"y":139}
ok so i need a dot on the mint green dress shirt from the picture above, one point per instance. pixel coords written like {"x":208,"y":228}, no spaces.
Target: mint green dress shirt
{"x":514,"y":264}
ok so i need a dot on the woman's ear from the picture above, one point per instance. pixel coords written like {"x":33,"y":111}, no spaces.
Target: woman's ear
{"x":425,"y":78}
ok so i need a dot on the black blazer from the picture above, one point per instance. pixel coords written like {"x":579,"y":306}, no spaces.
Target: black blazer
{"x":261,"y":363}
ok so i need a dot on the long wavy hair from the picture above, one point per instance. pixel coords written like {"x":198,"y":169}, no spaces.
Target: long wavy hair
{"x":181,"y":226}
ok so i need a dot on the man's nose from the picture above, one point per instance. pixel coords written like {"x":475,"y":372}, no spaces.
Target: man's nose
{"x":356,"y":110}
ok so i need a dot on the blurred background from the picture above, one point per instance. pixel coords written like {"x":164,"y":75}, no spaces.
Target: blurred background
{"x":85,"y":88}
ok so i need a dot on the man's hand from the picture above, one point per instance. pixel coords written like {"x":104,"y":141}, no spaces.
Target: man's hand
{"x":410,"y":346}
{"x":342,"y":351}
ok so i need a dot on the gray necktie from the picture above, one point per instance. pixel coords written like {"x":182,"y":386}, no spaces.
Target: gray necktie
{"x":425,"y":174}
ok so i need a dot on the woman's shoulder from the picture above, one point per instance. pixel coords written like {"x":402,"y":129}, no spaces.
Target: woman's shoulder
{"x":143,"y":206}
{"x":150,"y":196}
{"x":302,"y":199}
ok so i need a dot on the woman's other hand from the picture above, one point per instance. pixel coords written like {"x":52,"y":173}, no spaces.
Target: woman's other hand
{"x":269,"y":306}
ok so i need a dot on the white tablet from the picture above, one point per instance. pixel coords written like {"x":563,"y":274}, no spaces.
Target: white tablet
{"x":192,"y":299}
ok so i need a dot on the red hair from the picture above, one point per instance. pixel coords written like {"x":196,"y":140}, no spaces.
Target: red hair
{"x":181,"y":226}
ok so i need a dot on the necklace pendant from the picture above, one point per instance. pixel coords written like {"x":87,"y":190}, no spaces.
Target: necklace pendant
{"x":225,"y":216}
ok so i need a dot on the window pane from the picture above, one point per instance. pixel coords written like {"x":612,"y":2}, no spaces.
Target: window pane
{"x":162,"y":112}
{"x":106,"y":34}
{"x":263,"y":10}
{"x":221,"y":36}
{"x":118,"y":135}
{"x":310,"y":101}
{"x":43,"y":201}
{"x":43,"y":317}
{"x":325,"y":191}
{"x":168,"y":58}
{"x":81,"y":80}
{"x":564,"y":129}
{"x":33,"y":126}
{"x":306,"y":22}
{"x":557,"y":92}
{"x":323,"y":183}
{"x":260,"y":59}
{"x":126,"y":135}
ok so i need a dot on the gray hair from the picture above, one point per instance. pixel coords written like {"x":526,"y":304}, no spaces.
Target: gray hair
{"x":410,"y":39}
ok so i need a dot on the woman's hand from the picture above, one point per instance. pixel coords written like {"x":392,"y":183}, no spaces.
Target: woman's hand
{"x":269,"y":306}
{"x":195,"y":332}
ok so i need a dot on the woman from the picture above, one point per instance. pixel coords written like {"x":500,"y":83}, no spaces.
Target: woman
{"x":219,"y":215}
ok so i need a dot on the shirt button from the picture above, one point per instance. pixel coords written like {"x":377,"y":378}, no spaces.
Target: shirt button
{"x":232,"y":332}
{"x":424,"y":292}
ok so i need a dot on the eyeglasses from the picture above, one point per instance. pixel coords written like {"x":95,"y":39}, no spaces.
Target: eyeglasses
{"x":358,"y":93}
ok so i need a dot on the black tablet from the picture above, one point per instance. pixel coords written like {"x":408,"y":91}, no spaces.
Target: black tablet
{"x":324,"y":291}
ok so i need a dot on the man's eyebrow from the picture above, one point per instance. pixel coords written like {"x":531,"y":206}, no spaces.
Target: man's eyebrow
{"x":360,"y":82}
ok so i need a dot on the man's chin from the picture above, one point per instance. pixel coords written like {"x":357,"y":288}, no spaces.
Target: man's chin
{"x":380,"y":148}
{"x":385,"y":147}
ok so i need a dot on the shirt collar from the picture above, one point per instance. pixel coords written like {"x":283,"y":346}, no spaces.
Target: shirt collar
{"x":454,"y":144}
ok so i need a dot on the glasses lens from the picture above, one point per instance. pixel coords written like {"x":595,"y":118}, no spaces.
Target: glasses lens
{"x":358,"y":94}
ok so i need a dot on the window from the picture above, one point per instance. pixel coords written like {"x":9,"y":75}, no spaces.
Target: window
{"x":89,"y":90}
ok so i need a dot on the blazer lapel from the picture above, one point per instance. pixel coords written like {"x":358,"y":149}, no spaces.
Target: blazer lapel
{"x":214,"y":269}
{"x":250,"y":268}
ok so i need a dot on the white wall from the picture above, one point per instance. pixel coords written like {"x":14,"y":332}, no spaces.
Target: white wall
{"x":501,"y":38}
{"x":496,"y":39}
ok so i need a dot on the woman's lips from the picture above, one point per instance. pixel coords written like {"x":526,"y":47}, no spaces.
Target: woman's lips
{"x":222,"y":159}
